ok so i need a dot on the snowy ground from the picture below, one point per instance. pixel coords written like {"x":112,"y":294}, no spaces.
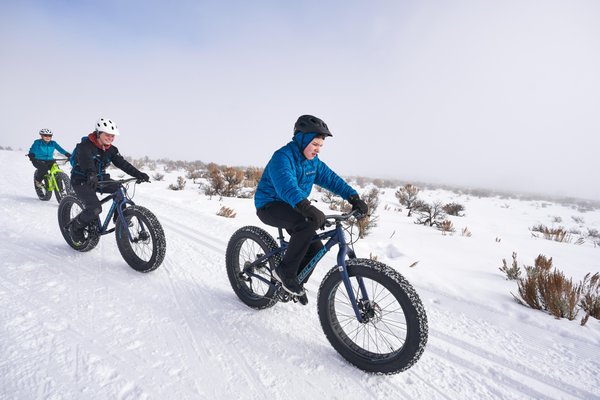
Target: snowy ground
{"x":86,"y":326}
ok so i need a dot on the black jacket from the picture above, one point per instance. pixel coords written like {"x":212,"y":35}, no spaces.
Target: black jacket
{"x":89,"y":159}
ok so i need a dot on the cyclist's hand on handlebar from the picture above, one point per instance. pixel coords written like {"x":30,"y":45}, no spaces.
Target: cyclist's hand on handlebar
{"x":359,"y":205}
{"x":142,"y":177}
{"x":31,"y":156}
{"x":311,"y":212}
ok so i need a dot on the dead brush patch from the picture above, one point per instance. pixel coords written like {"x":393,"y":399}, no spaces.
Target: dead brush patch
{"x":590,"y":297}
{"x":558,"y":234}
{"x":226,"y":212}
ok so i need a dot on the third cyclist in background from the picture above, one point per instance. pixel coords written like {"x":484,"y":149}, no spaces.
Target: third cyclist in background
{"x":41,"y":155}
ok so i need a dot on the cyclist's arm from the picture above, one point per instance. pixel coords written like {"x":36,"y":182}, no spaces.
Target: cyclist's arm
{"x":331,"y":181}
{"x":123,"y":164}
{"x":60,"y":149}
{"x":33,"y":149}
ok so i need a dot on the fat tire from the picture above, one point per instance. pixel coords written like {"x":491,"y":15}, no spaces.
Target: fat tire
{"x":64,"y":186}
{"x":42,"y":193}
{"x":69,"y":208}
{"x":413,"y":336}
{"x":245,"y":245}
{"x":156,"y":239}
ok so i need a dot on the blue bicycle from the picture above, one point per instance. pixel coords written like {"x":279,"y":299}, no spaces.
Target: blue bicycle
{"x":369,"y":313}
{"x":140,"y":237}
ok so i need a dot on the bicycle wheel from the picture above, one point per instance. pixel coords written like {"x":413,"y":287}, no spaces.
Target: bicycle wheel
{"x":69,"y":208}
{"x":63,"y":186}
{"x":42,"y":192}
{"x":147,"y":247}
{"x":246,"y":245}
{"x":394,"y":330}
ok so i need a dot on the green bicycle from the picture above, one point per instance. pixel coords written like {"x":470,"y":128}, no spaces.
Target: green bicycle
{"x":54,"y":181}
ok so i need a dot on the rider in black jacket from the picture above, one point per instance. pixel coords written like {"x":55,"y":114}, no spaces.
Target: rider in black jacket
{"x":92,"y":156}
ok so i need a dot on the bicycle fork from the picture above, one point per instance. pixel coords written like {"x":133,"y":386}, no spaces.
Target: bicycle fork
{"x":362,"y":292}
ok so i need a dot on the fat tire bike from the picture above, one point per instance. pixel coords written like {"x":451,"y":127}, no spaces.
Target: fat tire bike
{"x":369,"y":312}
{"x":55,"y":181}
{"x":139,"y":234}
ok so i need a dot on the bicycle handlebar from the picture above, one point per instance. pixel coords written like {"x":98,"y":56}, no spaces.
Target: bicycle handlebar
{"x":342,"y":217}
{"x":127,"y":180}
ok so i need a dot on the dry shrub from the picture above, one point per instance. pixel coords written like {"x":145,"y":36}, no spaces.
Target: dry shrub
{"x":558,"y":234}
{"x":590,"y":297}
{"x":193,"y":174}
{"x":543,"y":263}
{"x":226,"y":212}
{"x":454,"y":209}
{"x":559,"y":295}
{"x":368,"y":222}
{"x":447,"y":227}
{"x":252,"y":176}
{"x":180,"y":184}
{"x":512,"y":272}
{"x":466,"y":232}
{"x":158,"y":177}
{"x":547,"y":290}
{"x":408,"y":197}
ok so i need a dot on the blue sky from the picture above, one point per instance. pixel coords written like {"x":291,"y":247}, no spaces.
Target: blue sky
{"x":500,"y":94}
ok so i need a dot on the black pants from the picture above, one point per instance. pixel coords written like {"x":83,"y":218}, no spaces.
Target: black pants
{"x":300,"y":250}
{"x":42,"y":168}
{"x":92,"y":206}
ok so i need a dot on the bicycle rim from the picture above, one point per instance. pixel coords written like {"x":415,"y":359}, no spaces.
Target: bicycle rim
{"x":385,"y":331}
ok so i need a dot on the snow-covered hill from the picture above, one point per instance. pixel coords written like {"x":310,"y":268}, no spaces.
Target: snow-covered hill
{"x":86,"y":326}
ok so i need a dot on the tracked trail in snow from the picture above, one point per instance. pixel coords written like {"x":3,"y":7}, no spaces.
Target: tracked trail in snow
{"x":244,"y":349}
{"x":503,"y":372}
{"x":504,"y":368}
{"x":85,"y":325}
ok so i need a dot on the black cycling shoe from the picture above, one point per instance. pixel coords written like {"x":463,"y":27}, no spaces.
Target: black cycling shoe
{"x":76,"y":228}
{"x":290,"y":285}
{"x":303,"y":299}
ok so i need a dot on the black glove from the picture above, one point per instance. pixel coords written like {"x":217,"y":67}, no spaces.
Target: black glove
{"x":311,"y":212}
{"x":358,"y":204}
{"x":31,"y":156}
{"x":142,"y":177}
{"x":92,"y":180}
{"x":68,"y":155}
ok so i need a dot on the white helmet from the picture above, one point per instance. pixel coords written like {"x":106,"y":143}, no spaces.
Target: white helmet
{"x":107,"y":126}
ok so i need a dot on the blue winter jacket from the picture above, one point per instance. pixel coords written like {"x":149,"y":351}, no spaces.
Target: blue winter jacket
{"x":45,"y":151}
{"x":289,"y":176}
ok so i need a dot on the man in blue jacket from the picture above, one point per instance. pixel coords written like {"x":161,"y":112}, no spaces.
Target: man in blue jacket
{"x":281,"y":197}
{"x":41,"y":155}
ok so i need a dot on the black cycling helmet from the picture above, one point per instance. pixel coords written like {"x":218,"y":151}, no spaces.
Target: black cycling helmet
{"x":311,"y":124}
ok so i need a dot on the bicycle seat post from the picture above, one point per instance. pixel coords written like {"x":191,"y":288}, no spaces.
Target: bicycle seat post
{"x":280,"y":237}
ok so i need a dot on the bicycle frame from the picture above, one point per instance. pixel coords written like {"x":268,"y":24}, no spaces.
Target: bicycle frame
{"x":336,"y":237}
{"x":119,"y":200}
{"x":52,"y":185}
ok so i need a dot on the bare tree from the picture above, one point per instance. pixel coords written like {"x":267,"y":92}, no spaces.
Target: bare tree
{"x":407,"y":196}
{"x":216,"y":183}
{"x":367,"y":223}
{"x":233,"y":178}
{"x":431,"y":214}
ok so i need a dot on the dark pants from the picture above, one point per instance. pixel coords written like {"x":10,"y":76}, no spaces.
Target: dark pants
{"x":42,"y":168}
{"x":300,"y":250}
{"x":92,"y":206}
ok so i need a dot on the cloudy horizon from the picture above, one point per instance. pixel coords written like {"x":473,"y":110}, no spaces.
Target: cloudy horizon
{"x":501,"y":94}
